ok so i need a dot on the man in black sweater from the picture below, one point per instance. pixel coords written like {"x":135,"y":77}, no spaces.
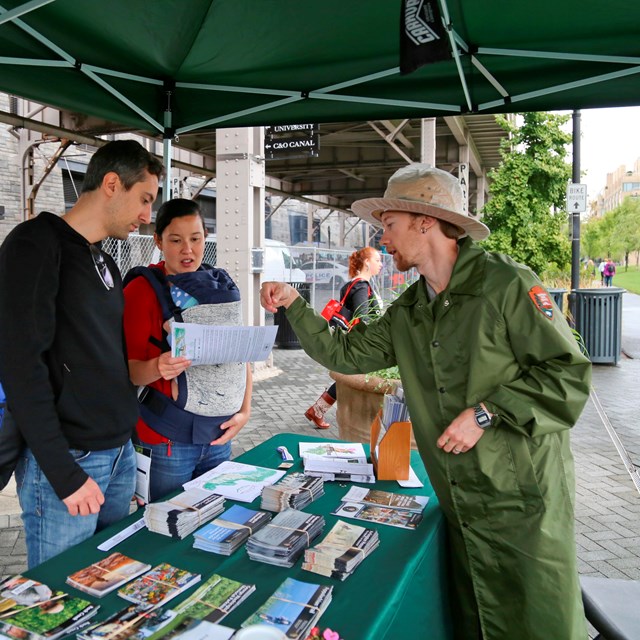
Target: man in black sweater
{"x":62,"y":358}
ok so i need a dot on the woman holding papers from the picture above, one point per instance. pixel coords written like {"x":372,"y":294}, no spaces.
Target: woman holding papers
{"x":188,"y":415}
{"x":362,"y":303}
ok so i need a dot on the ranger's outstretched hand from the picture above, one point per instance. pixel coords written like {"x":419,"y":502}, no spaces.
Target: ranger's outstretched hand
{"x":277,"y":294}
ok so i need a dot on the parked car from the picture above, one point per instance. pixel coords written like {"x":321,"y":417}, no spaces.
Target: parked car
{"x":326,"y":272}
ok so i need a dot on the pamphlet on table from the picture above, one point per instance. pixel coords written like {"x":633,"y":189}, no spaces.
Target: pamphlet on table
{"x":294,"y":608}
{"x":382,"y":515}
{"x":351,"y":451}
{"x":235,"y":480}
{"x":158,"y":586}
{"x":386,"y":499}
{"x":228,"y":532}
{"x":108,"y":574}
{"x":341,"y":551}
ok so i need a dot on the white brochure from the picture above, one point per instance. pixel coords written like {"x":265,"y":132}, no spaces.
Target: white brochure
{"x":204,"y":344}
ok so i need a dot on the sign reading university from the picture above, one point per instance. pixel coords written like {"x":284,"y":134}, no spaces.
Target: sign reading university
{"x":291,"y":141}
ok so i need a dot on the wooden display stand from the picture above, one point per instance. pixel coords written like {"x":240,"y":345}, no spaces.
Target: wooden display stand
{"x":394,"y":450}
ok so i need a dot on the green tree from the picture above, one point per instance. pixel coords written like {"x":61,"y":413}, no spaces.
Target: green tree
{"x":526,"y":212}
{"x":616,"y":234}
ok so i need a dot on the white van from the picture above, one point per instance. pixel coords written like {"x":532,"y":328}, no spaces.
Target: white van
{"x":278,"y":265}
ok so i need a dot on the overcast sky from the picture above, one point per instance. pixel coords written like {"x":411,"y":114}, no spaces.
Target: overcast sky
{"x":610,"y":138}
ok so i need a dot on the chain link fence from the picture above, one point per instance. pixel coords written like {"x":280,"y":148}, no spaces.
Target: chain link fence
{"x":325,"y":270}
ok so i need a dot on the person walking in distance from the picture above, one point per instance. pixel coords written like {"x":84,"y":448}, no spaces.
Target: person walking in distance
{"x":609,"y":272}
{"x":361,"y":302}
{"x":62,"y":355}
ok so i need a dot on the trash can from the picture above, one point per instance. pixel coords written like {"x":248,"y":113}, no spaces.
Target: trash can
{"x":286,"y":337}
{"x":558,"y":297}
{"x":598,"y":319}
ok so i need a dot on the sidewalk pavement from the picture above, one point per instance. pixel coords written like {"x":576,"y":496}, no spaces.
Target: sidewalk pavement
{"x":607,"y":503}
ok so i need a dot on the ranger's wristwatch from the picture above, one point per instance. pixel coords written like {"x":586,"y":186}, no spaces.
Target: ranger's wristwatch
{"x":483,"y":418}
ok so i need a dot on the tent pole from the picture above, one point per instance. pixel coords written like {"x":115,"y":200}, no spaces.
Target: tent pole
{"x":166,"y":153}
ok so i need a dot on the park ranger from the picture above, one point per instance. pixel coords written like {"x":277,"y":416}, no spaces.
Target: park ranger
{"x":494,"y":379}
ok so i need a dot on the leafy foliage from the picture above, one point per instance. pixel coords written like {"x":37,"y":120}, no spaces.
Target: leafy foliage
{"x":616,"y":234}
{"x":526,"y":212}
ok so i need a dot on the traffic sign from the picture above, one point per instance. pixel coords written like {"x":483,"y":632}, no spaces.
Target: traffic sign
{"x":576,"y":198}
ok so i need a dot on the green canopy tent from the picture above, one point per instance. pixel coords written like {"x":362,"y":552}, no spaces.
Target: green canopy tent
{"x":175,"y":67}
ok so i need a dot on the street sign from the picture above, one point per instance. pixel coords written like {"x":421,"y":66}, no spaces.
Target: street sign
{"x":576,"y":198}
{"x":291,"y":141}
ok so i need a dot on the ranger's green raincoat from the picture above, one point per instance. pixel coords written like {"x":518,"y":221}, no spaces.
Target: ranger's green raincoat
{"x":490,"y":337}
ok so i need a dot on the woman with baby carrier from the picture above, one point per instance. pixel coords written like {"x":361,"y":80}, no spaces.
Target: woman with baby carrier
{"x":188,"y":415}
{"x":361,"y":304}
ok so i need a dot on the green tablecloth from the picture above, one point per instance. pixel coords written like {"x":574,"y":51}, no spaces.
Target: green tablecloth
{"x":400,"y":591}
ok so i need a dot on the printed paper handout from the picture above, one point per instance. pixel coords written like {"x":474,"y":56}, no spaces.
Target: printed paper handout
{"x":382,"y":515}
{"x":57,"y":616}
{"x":386,"y":499}
{"x":205,"y":344}
{"x":294,"y":608}
{"x":236,"y":481}
{"x":135,"y":622}
{"x":350,"y":451}
{"x":108,"y":574}
{"x":194,"y":629}
{"x":19,"y":592}
{"x":159,"y":585}
{"x":212,"y":601}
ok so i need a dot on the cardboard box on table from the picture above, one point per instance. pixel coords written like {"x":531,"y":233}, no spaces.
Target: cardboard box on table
{"x":392,"y":459}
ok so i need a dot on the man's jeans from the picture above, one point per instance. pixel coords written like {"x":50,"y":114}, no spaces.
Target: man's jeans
{"x":187,"y":461}
{"x":48,"y":526}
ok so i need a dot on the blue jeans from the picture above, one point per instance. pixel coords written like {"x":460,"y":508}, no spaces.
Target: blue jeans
{"x":187,"y":461}
{"x":49,"y":528}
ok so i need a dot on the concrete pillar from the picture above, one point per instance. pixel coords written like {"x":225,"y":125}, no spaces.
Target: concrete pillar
{"x":428,"y":141}
{"x":240,"y":178}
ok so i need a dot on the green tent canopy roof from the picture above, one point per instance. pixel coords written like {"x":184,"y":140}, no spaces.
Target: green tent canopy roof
{"x":179,"y":66}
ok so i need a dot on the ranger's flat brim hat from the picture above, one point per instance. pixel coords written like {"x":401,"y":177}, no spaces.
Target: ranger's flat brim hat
{"x":424,"y":190}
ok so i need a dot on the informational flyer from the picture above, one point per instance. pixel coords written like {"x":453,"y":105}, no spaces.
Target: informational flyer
{"x":205,"y":344}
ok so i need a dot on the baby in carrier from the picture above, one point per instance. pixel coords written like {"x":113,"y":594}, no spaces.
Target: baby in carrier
{"x":188,"y":415}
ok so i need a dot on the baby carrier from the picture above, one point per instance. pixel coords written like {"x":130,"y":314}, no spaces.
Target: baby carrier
{"x":208,"y":395}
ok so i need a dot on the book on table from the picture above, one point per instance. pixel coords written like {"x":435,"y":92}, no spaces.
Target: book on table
{"x":228,"y":532}
{"x":108,"y":574}
{"x":294,"y":608}
{"x":159,"y":585}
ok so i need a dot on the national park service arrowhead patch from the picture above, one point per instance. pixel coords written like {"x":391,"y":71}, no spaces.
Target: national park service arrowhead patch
{"x":541,"y":300}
